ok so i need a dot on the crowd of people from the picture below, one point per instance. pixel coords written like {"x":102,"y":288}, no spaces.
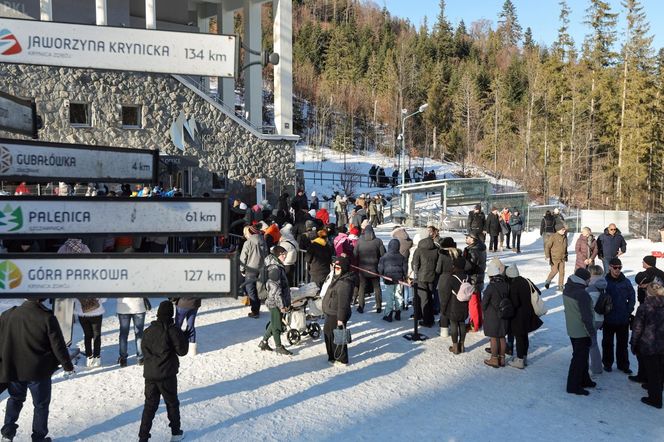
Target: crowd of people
{"x":378,"y":177}
{"x":443,"y":283}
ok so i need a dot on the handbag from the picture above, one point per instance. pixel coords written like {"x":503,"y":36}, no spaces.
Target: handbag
{"x":148,"y":305}
{"x":341,"y":336}
{"x":89,"y":304}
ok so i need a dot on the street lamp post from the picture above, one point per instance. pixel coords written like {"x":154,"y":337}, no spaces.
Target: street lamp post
{"x":404,"y":116}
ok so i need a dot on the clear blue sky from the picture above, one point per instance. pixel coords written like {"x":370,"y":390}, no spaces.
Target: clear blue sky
{"x":540,"y":15}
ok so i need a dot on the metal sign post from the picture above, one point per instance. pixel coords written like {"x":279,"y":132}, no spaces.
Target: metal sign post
{"x":115,"y":275}
{"x":19,"y":115}
{"x":45,"y":162}
{"x":115,"y":48}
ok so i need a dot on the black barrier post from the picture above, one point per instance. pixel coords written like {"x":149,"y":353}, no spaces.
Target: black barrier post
{"x":415,"y":335}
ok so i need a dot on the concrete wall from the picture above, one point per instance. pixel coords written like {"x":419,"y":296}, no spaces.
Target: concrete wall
{"x":223,"y":144}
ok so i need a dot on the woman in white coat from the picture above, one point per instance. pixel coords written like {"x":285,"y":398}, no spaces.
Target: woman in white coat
{"x":131,"y":309}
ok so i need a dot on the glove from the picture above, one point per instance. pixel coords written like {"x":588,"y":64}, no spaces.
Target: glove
{"x":188,"y":332}
{"x":70,"y":374}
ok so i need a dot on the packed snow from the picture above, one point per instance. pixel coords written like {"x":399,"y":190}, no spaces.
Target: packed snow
{"x":393,"y":389}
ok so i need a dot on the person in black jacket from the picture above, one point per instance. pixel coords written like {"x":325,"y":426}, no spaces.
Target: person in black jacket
{"x":394,"y":266}
{"x":547,"y":226}
{"x":425,"y":262}
{"x":524,"y":320}
{"x":454,"y":310}
{"x":493,"y":229}
{"x":31,"y":348}
{"x":495,"y":327}
{"x":319,"y":257}
{"x":162,"y":343}
{"x":477,"y":223}
{"x":368,"y":251}
{"x":336,"y":306}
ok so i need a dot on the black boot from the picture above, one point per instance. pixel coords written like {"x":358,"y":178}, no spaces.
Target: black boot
{"x":397,"y":315}
{"x":282,"y":351}
{"x":264,"y":346}
{"x":388,"y":318}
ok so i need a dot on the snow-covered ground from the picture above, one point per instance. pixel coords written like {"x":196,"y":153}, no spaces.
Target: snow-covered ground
{"x":392,"y":390}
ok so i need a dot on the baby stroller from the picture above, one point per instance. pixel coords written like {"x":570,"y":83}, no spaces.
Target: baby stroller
{"x":295,"y":321}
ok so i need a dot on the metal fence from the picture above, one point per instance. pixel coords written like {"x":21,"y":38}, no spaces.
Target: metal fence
{"x":646,"y":225}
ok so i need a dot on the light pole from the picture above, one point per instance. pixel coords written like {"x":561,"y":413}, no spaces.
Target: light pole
{"x":404,"y":116}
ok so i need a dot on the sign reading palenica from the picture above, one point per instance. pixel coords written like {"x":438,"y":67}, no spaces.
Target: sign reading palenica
{"x":106,"y":47}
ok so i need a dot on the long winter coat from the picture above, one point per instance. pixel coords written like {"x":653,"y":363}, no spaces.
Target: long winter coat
{"x":319,"y":258}
{"x":425,"y":261}
{"x":450,"y":306}
{"x":495,"y":291}
{"x":493,"y":224}
{"x":585,"y":248}
{"x":648,"y":332}
{"x":475,"y":256}
{"x":338,"y":296}
{"x":393,"y":264}
{"x":525,"y":320}
{"x":368,"y":251}
{"x":445,"y":264}
{"x":31,"y":344}
{"x":162,"y":343}
{"x":555,"y":249}
{"x":548,"y":224}
{"x":476,"y":222}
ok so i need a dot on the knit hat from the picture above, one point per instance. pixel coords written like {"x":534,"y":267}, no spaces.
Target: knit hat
{"x":165,"y":311}
{"x":459,"y":262}
{"x":512,"y":271}
{"x":243,"y":206}
{"x":343,"y":262}
{"x":312,"y":213}
{"x":615,"y":262}
{"x":559,"y":226}
{"x":355,"y":231}
{"x":583,"y":274}
{"x":650,"y":260}
{"x":495,"y":267}
{"x":448,"y":243}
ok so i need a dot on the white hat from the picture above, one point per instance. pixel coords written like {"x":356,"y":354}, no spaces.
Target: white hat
{"x":312,"y":212}
{"x":243,"y":206}
{"x":512,"y":271}
{"x":313,"y":194}
{"x":495,"y":267}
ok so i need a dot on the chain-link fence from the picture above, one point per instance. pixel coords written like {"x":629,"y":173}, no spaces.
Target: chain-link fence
{"x":647,"y":225}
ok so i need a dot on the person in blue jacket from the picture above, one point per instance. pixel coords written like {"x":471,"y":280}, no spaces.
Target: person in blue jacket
{"x":616,"y":322}
{"x":610,"y":244}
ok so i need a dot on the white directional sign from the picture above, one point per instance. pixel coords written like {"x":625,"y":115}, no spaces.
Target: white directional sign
{"x":25,"y":275}
{"x":35,"y":161}
{"x":17,"y":115}
{"x":106,"y":47}
{"x":57,"y":216}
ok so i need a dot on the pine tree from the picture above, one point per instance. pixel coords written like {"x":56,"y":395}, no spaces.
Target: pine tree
{"x":508,"y":25}
{"x":528,"y":42}
{"x":442,"y":35}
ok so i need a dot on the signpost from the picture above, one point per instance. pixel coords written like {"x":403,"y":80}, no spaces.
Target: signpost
{"x":114,"y":48}
{"x":45,"y":162}
{"x":52,"y":216}
{"x":115,"y":275}
{"x":18,"y":115}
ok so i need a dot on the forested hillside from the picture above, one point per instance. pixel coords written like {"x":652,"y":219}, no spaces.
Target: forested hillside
{"x":583,"y":120}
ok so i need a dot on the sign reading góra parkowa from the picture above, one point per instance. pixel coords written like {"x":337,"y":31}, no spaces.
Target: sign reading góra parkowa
{"x":56,"y":216}
{"x":126,"y":49}
{"x":114,"y":275}
{"x":35,"y":161}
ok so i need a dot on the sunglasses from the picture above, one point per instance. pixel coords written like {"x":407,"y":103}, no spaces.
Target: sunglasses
{"x":612,"y":230}
{"x":616,"y":267}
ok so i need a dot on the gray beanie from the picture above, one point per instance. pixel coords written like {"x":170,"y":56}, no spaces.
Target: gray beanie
{"x":512,"y":271}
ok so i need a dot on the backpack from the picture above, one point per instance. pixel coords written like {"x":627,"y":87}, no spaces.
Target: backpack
{"x":604,"y":304}
{"x":536,"y":300}
{"x":505,"y":308}
{"x":465,"y":290}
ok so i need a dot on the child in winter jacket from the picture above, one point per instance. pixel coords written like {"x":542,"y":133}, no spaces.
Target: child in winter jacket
{"x":394,"y":268}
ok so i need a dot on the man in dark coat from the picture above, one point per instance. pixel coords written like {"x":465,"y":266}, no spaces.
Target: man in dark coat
{"x":547,"y":226}
{"x":493,"y":229}
{"x":368,"y":251}
{"x":425,"y":262}
{"x":525,"y":320}
{"x":650,"y":272}
{"x":336,"y":306}
{"x":162,"y":343}
{"x":475,"y":256}
{"x":477,"y":223}
{"x":616,"y":323}
{"x":300,"y":203}
{"x":610,"y":244}
{"x":31,"y":348}
{"x":495,"y":327}
{"x":319,"y":258}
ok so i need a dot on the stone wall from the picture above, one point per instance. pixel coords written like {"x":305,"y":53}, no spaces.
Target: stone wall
{"x":222,"y":145}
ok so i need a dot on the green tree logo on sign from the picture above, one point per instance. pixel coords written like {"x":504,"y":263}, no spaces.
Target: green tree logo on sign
{"x":11,"y":219}
{"x":10,"y":275}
